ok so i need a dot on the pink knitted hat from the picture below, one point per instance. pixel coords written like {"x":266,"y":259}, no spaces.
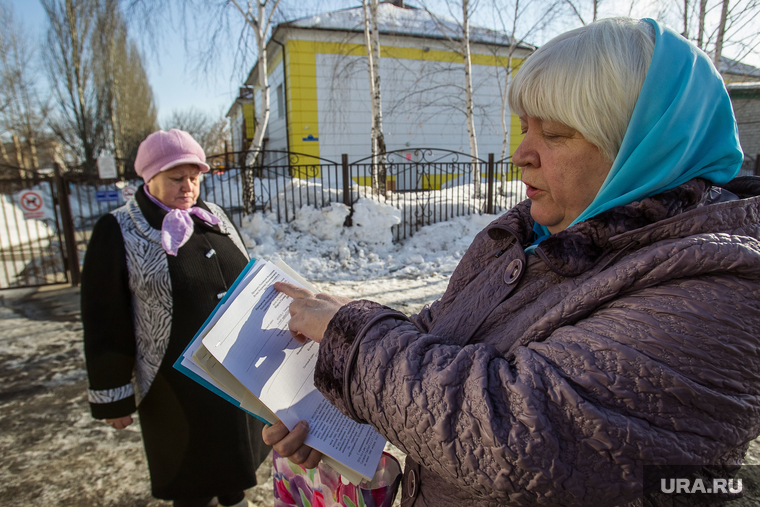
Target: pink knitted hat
{"x":163,"y":150}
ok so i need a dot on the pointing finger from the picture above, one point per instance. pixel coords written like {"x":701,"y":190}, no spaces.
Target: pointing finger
{"x":293,"y":291}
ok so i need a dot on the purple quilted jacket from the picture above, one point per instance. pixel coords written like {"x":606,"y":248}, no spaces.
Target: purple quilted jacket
{"x":628,"y":339}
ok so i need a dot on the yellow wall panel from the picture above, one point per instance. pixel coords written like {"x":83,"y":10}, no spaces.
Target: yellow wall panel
{"x":301,"y":93}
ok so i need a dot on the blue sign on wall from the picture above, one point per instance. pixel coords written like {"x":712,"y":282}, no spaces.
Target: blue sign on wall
{"x":107,"y":195}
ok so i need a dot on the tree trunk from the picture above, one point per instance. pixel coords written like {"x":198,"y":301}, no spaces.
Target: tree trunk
{"x":262,"y":118}
{"x":506,"y":125}
{"x":685,"y":32}
{"x":701,"y":34}
{"x":4,"y":153}
{"x":372,"y":42}
{"x":33,"y":152}
{"x":76,"y":61}
{"x":721,"y":34}
{"x":114,"y":99}
{"x":19,"y":155}
{"x":469,"y":108}
{"x":259,"y":27}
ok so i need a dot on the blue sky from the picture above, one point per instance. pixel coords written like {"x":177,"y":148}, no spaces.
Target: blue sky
{"x":178,"y":85}
{"x":175,"y":84}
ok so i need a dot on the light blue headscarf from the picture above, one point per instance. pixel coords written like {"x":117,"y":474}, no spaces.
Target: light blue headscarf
{"x":682,"y":127}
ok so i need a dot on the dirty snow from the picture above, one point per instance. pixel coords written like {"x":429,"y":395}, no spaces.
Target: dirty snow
{"x":55,"y":454}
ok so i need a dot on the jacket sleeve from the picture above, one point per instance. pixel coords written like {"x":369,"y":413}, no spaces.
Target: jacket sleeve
{"x":658,"y":376}
{"x":109,"y":338}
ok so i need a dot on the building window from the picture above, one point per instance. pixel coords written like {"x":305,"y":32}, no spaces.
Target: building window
{"x":280,"y":102}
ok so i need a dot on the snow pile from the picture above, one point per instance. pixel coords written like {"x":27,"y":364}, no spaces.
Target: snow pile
{"x":318,"y":246}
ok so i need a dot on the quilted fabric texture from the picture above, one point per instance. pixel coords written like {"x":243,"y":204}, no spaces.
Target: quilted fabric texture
{"x":628,"y":339}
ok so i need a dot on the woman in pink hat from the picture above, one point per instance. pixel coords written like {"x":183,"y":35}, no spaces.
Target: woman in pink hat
{"x":155,"y":269}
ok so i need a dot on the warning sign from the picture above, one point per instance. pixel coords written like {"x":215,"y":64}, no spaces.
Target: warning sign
{"x":32,"y":204}
{"x":127,"y":192}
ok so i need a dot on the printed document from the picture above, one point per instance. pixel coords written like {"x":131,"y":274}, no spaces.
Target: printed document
{"x":248,"y":352}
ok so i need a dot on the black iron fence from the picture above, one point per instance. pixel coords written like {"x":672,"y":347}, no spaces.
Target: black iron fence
{"x":43,"y":236}
{"x":426,"y":186}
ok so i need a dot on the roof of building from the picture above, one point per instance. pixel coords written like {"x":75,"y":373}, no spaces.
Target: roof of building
{"x":745,"y":90}
{"x":406,"y":20}
{"x":729,"y":66}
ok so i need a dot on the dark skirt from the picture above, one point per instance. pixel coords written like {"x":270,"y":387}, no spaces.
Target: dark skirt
{"x":197,"y":443}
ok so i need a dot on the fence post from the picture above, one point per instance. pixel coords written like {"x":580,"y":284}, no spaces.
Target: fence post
{"x":489,"y":198}
{"x":67,"y":222}
{"x":347,"y":189}
{"x":757,"y":164}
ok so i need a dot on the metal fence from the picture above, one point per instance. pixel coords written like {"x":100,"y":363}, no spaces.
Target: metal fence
{"x":43,"y":236}
{"x":426,"y":186}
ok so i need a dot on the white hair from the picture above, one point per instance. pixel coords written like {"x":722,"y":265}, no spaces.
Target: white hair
{"x":588,"y":79}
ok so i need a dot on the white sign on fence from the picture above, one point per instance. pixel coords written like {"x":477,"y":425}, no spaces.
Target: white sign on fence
{"x":32,"y":203}
{"x":107,"y":167}
{"x":127,"y":192}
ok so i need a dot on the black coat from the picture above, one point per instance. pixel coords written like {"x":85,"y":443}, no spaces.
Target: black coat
{"x":197,"y":444}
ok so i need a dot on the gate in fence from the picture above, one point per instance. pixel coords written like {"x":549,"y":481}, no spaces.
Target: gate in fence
{"x":46,"y":220}
{"x":32,"y":247}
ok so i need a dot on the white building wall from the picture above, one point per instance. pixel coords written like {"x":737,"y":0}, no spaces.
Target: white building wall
{"x":423,"y":106}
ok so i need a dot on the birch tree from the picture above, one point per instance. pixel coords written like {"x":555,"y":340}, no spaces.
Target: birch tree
{"x":260,"y":22}
{"x":372,"y":42}
{"x":256,"y":17}
{"x":469,"y":109}
{"x":528,"y":18}
{"x":467,"y":7}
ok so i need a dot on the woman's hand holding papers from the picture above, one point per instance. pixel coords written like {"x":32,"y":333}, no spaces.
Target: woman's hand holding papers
{"x":309,"y":313}
{"x":309,"y":316}
{"x":290,"y":444}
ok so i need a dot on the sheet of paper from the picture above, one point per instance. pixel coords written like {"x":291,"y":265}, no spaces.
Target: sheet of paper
{"x":252,"y":341}
{"x":187,"y":356}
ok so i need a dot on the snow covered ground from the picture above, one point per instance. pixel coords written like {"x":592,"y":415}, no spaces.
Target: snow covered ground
{"x":55,"y":454}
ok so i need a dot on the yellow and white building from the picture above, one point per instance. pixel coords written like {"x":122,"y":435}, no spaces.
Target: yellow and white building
{"x":319,"y":86}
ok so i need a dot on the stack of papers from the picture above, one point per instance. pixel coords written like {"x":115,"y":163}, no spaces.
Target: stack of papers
{"x":245,"y":353}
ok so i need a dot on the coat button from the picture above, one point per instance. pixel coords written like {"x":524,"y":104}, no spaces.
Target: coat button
{"x":412,"y":483}
{"x":513,"y":271}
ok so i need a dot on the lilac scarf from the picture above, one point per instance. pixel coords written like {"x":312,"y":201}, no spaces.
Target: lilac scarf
{"x":177,"y":226}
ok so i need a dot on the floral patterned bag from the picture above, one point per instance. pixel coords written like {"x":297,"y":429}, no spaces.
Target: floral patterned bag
{"x":323,"y":487}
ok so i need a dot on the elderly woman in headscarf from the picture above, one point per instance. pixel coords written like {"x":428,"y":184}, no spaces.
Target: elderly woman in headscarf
{"x":608,"y":322}
{"x":155,"y":269}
